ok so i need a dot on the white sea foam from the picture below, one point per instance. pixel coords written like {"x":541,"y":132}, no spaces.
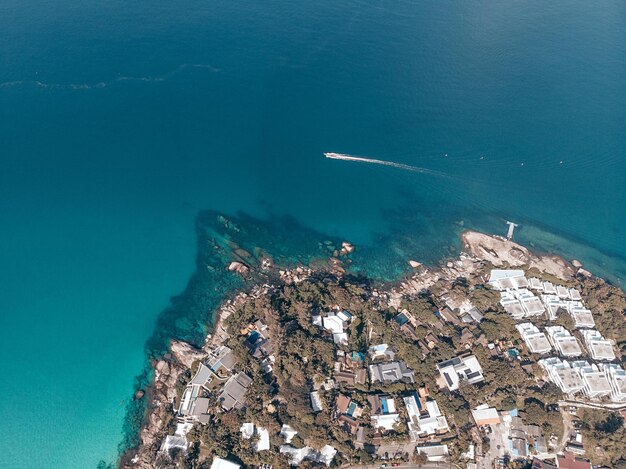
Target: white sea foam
{"x":406,"y":167}
{"x":105,"y":84}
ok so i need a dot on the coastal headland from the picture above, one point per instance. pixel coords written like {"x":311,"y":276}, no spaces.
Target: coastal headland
{"x":304,"y":361}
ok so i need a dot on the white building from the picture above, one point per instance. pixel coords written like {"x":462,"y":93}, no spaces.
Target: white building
{"x":316,"y":401}
{"x":535,"y":340}
{"x":521,"y":303}
{"x":582,"y":317}
{"x":561,"y":373}
{"x":507,"y":279}
{"x":599,"y":348}
{"x":617,"y":379}
{"x":424,"y":417}
{"x":553,"y":303}
{"x":336,"y":324}
{"x":595,"y":381}
{"x":219,"y":463}
{"x":548,"y":288}
{"x":460,"y":369}
{"x":564,"y":342}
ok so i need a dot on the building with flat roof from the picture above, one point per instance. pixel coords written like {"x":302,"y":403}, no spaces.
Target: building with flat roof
{"x":535,"y":284}
{"x":553,"y":304}
{"x":549,"y":288}
{"x":484,"y":415}
{"x":460,"y":369}
{"x":561,"y":373}
{"x":582,"y":317}
{"x":521,"y":303}
{"x":507,"y":279}
{"x":222,"y":360}
{"x":595,"y":381}
{"x":381,"y":352}
{"x":599,"y":348}
{"x":434,"y":453}
{"x":233,"y":394}
{"x":219,"y":463}
{"x":535,"y":340}
{"x":564,"y":342}
{"x":562,"y":292}
{"x":423,"y":416}
{"x":574,"y":294}
{"x":616,"y":376}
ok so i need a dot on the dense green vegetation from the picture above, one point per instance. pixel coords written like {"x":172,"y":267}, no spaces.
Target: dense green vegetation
{"x":305,"y":357}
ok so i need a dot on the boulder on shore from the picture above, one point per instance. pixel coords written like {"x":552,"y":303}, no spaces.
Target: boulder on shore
{"x":415,"y":264}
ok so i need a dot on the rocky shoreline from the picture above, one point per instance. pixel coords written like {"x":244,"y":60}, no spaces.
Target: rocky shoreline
{"x":480,"y":252}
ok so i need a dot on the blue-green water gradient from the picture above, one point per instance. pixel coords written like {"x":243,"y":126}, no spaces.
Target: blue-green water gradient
{"x":120,"y":120}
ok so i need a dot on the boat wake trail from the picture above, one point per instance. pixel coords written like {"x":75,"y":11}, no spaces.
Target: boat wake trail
{"x":406,"y":167}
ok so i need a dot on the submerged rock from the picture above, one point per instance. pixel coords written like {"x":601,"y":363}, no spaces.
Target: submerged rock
{"x":238,"y":267}
{"x":139,"y":394}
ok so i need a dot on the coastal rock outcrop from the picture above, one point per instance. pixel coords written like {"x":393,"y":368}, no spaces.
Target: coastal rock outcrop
{"x":504,"y":253}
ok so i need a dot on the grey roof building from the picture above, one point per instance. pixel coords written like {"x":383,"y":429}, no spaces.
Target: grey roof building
{"x":390,"y":372}
{"x":234,"y":393}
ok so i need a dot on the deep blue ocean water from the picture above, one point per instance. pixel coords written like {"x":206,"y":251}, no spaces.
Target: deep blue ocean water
{"x":120,"y":120}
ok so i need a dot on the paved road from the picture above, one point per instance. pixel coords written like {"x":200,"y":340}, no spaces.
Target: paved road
{"x":430,"y":465}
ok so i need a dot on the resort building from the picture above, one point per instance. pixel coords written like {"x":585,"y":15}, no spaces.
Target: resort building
{"x":595,"y":381}
{"x":582,"y":316}
{"x":553,"y":304}
{"x":521,"y":303}
{"x":390,"y":372}
{"x":574,"y":294}
{"x":336,"y":324}
{"x":561,"y":373}
{"x":233,"y":395}
{"x":263,"y":436}
{"x":535,"y":284}
{"x":423,"y":415}
{"x":535,"y":340}
{"x":221,"y":361}
{"x":562,"y":292}
{"x":564,"y":342}
{"x":548,"y":288}
{"x":617,"y":380}
{"x":599,"y":348}
{"x":460,"y":369}
{"x":502,"y":280}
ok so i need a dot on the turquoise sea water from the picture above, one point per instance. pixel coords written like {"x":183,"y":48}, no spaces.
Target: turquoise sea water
{"x":120,"y":120}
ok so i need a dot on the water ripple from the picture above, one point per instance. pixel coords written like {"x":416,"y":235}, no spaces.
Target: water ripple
{"x":105,"y":84}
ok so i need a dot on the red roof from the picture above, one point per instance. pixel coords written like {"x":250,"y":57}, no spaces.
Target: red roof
{"x":569,"y":461}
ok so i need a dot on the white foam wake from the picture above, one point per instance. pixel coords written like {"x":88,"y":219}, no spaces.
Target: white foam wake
{"x":406,"y":167}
